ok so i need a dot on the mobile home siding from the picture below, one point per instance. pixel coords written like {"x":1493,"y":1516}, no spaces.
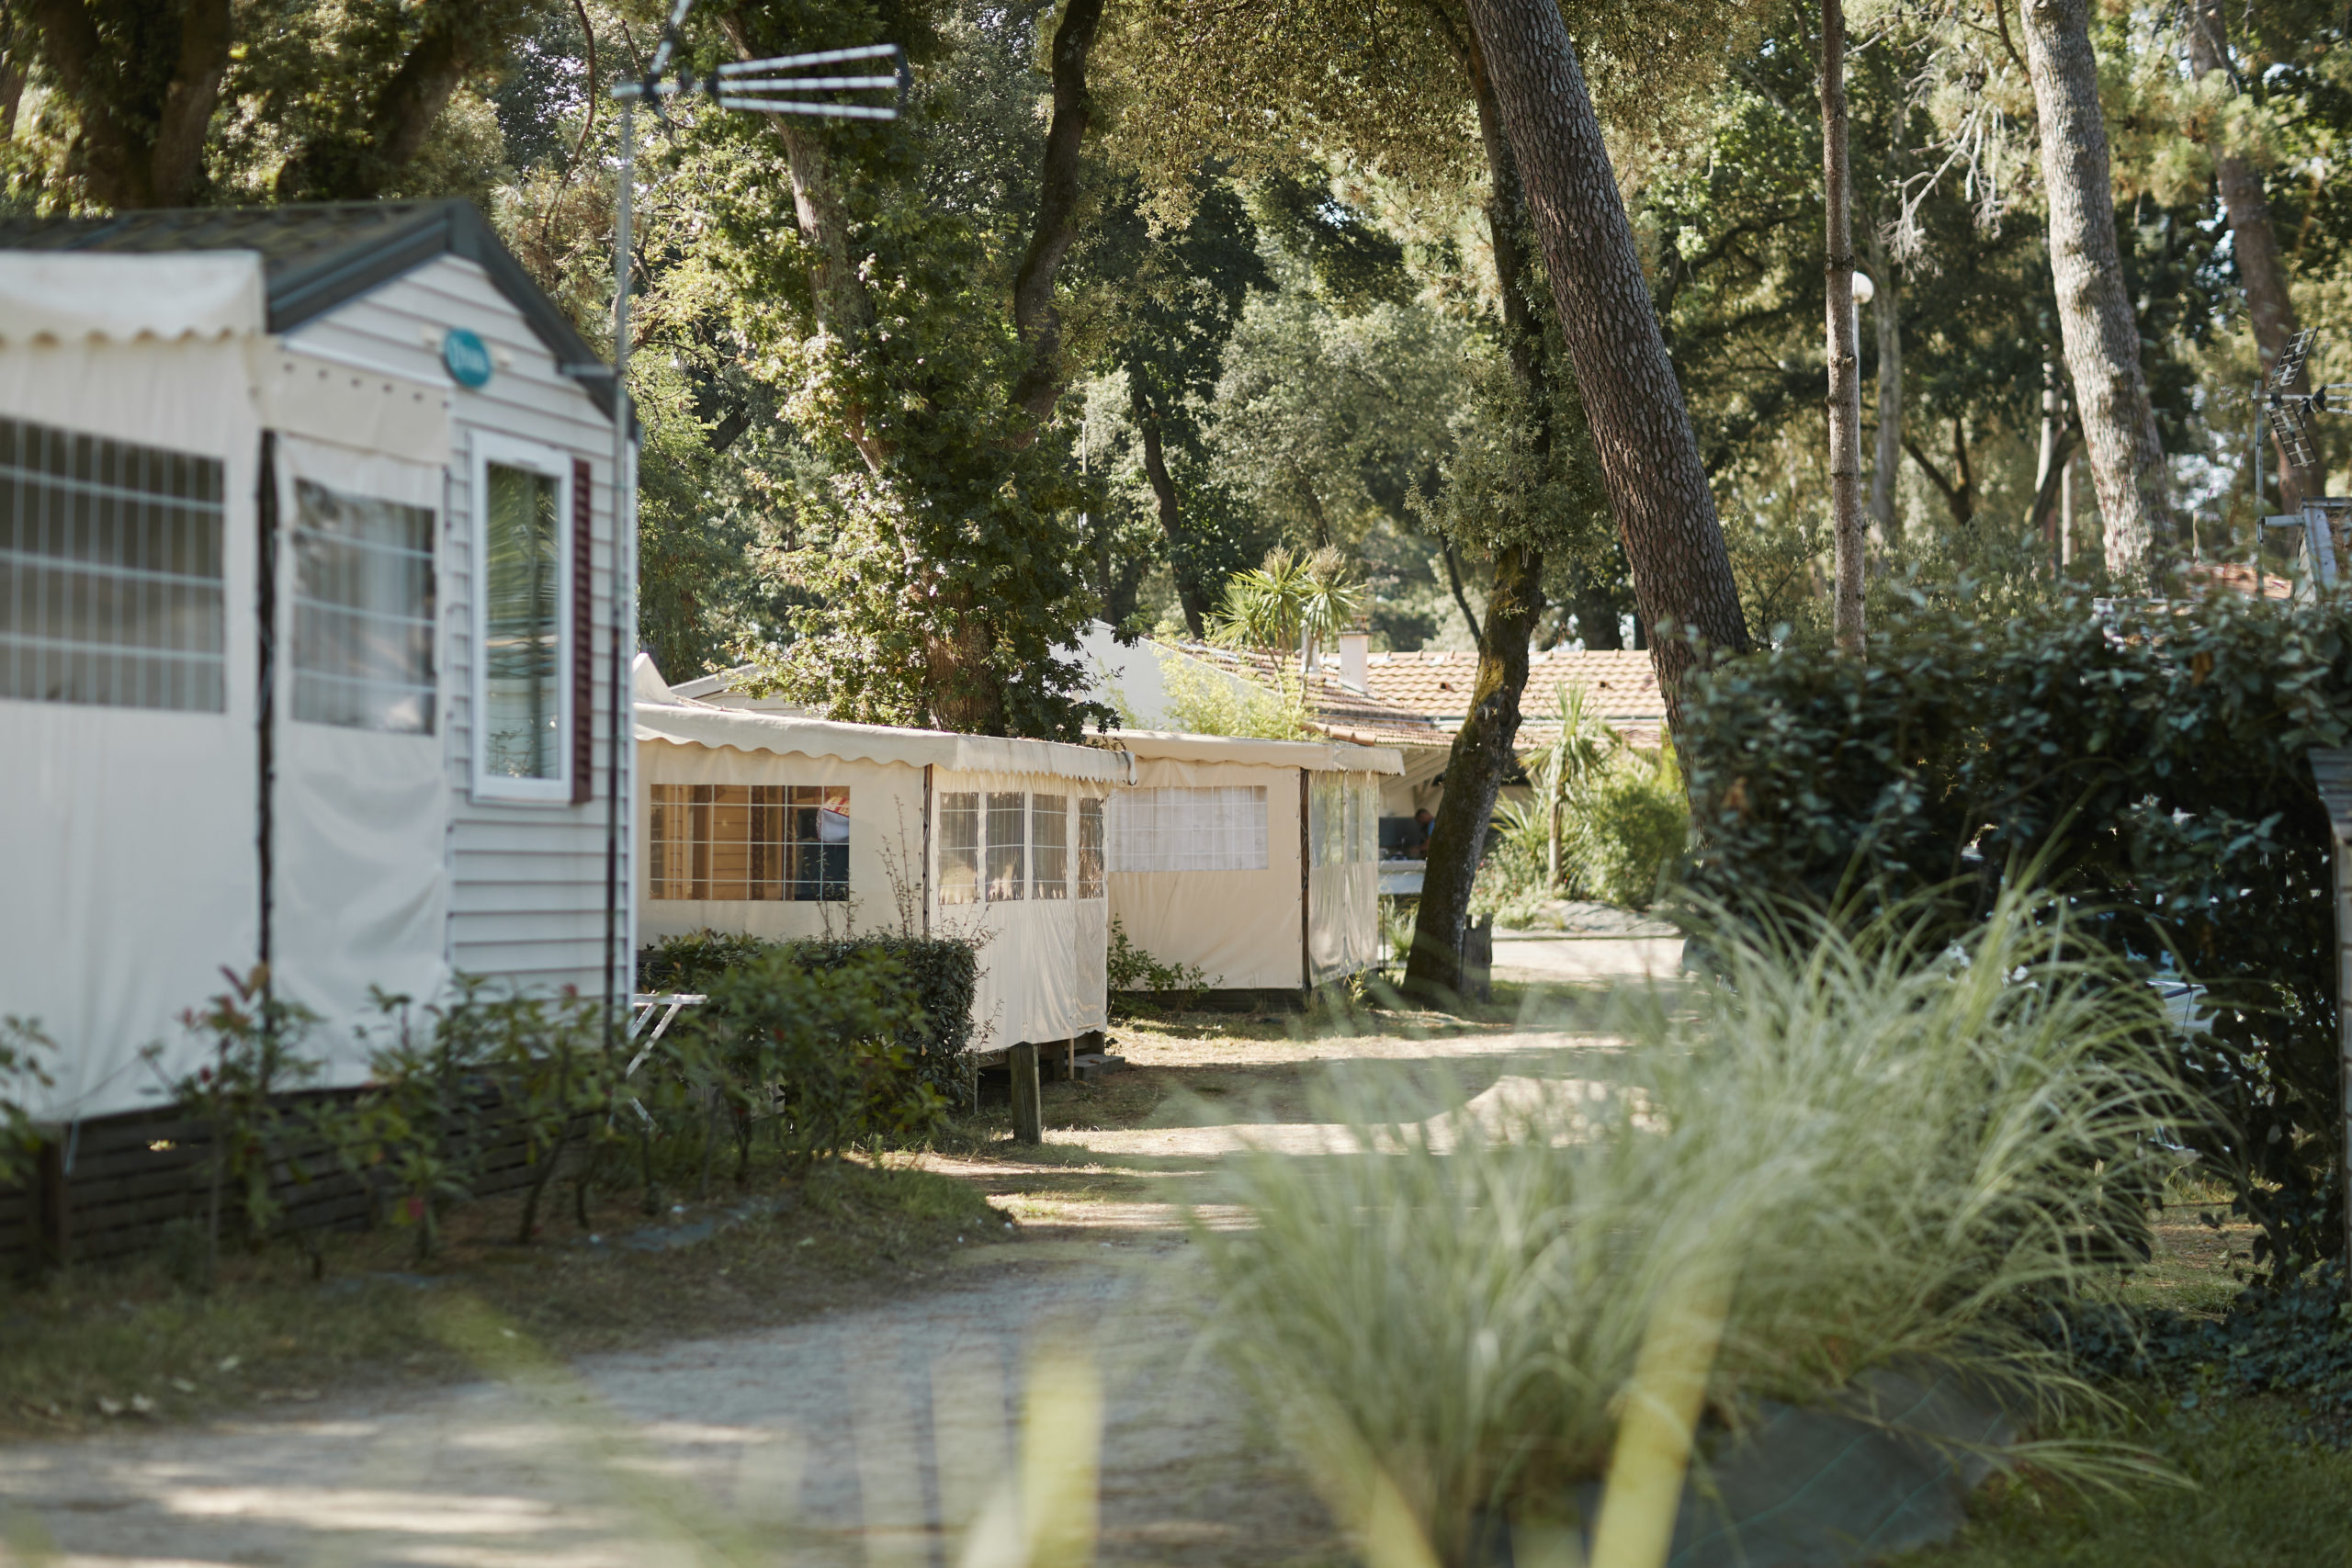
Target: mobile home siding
{"x":526,"y":899}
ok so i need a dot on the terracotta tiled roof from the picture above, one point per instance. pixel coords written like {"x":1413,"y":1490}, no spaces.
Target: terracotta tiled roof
{"x":1617,"y":686}
{"x":1420,"y":699}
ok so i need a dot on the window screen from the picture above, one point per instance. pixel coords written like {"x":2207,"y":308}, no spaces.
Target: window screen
{"x":1367,"y":826}
{"x":1007,"y":875}
{"x":760,"y":842}
{"x":522,"y":686}
{"x":959,"y":848}
{"x":363,"y":612}
{"x":1090,"y":848}
{"x":110,"y":572}
{"x":1049,"y":829}
{"x":1222,"y":828}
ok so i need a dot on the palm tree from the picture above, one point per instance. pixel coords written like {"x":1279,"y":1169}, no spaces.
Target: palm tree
{"x":1290,"y":601}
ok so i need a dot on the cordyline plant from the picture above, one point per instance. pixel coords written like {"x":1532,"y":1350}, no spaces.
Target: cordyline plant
{"x":1873,"y":1149}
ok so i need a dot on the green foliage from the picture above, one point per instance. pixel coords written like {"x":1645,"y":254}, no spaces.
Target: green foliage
{"x":257,"y":1057}
{"x":1873,"y":1149}
{"x":940,"y":974}
{"x":1635,"y":829}
{"x":2150,"y":760}
{"x":22,"y":1045}
{"x":1202,"y":700}
{"x":447,"y":1080}
{"x":1287,"y":605}
{"x":812,"y":1052}
{"x":1130,"y":968}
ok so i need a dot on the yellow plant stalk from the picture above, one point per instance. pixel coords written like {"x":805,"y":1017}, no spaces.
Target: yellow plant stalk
{"x":1652,"y":1455}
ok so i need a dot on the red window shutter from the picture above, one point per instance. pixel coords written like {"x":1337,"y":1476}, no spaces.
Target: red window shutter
{"x":584,"y":636}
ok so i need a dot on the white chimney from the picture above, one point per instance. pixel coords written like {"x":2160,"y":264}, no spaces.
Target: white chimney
{"x":1355,"y":659}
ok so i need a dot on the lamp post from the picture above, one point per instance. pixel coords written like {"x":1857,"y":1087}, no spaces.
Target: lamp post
{"x":766,"y":86}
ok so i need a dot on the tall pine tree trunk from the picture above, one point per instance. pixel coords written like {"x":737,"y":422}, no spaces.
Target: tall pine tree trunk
{"x":2095,"y":315}
{"x":2253,"y":244}
{"x":1482,"y":751}
{"x":1649,"y":455}
{"x":1845,"y":351}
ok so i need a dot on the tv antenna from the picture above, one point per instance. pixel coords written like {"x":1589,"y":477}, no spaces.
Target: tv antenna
{"x":2290,"y":416}
{"x":774,"y":85}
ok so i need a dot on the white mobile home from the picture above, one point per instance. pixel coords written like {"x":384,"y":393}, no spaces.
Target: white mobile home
{"x":1255,"y":859}
{"x":309,"y":588}
{"x":780,"y":825}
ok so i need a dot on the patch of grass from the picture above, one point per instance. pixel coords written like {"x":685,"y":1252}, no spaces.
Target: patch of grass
{"x":140,"y":1339}
{"x":2262,"y":1498}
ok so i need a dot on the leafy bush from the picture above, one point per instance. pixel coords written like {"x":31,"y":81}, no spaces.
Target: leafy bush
{"x":1206,"y":701}
{"x":21,"y":1047}
{"x":1870,"y":1150}
{"x":943,"y":972}
{"x":1636,"y":828}
{"x":1130,"y":968}
{"x":814,"y":1052}
{"x":2154,"y":758}
{"x":447,"y":1080}
{"x":257,"y":1055}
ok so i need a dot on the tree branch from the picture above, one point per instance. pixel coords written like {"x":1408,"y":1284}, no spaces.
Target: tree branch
{"x":1034,"y":313}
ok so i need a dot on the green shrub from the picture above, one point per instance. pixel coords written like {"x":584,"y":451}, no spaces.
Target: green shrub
{"x":812,"y":1052}
{"x":1130,"y":968}
{"x":1635,"y":827}
{"x":21,"y":1047}
{"x":2155,"y":760}
{"x":943,"y":972}
{"x":1871,"y":1150}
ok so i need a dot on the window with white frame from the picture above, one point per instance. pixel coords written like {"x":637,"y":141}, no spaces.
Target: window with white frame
{"x":1049,"y":839}
{"x":757,"y":842}
{"x":1007,"y":847}
{"x":111,"y":572}
{"x":522,"y":593}
{"x":1343,"y":819}
{"x":1220,"y":828}
{"x":363,"y":611}
{"x":1090,"y":847}
{"x":959,"y":848}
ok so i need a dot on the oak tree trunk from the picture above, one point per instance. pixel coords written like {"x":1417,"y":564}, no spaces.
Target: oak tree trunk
{"x":2254,"y":245}
{"x":1649,"y":455}
{"x":1845,"y":351}
{"x":1034,"y":312}
{"x":1482,"y":752}
{"x":2094,"y":315}
{"x":1171,"y":522}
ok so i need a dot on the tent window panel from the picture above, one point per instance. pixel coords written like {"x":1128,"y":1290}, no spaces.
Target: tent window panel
{"x":522,"y":691}
{"x":1221,"y":828}
{"x":748,"y":842}
{"x":959,"y":848}
{"x":363,"y":612}
{"x":111,"y":567}
{"x":1367,"y":840}
{"x":1008,"y":825}
{"x":1090,"y":847}
{"x":1049,"y":829}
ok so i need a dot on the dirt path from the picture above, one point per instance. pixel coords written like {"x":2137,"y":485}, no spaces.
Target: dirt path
{"x":886,"y":1434}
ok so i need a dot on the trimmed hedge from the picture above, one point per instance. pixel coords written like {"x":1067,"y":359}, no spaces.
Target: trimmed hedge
{"x":943,"y":972}
{"x":2154,"y":759}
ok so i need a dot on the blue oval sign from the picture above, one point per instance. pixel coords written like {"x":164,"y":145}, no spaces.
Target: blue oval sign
{"x":467,"y":360}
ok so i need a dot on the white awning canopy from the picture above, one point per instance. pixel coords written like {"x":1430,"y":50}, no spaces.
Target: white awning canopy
{"x":61,"y":296}
{"x":786,"y":735}
{"x":1314,"y":756}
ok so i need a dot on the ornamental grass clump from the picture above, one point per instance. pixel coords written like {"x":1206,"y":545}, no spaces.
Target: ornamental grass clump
{"x":1867,"y":1149}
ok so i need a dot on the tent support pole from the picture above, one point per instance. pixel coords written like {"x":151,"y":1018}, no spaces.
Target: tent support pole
{"x":623,"y":491}
{"x":265,"y":695}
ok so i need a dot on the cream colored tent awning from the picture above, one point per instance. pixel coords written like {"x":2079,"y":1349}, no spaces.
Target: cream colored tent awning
{"x":1314,"y":756}
{"x":694,"y":725}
